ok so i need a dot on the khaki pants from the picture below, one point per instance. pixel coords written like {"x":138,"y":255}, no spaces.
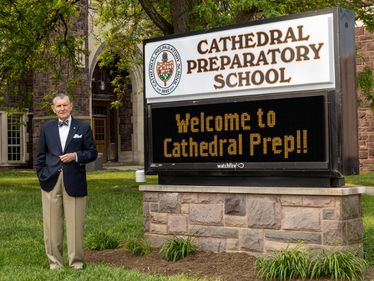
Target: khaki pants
{"x":56,"y":204}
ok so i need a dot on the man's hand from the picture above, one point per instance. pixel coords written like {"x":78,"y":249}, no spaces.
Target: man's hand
{"x":68,"y":157}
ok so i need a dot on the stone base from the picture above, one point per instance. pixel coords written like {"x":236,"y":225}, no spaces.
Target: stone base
{"x":254,"y":220}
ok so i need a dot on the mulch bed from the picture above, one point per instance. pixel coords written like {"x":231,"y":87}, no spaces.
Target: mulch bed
{"x":223,"y":266}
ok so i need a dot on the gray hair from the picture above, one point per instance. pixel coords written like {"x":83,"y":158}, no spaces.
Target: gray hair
{"x":60,"y":96}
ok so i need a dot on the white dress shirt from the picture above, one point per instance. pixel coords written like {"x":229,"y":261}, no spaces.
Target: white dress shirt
{"x":64,"y":131}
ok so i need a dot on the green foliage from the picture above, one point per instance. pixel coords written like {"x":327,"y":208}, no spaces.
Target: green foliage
{"x":365,"y":82}
{"x":286,"y":264}
{"x":100,"y":272}
{"x":100,"y":241}
{"x":368,"y":244}
{"x":211,"y":13}
{"x":177,"y":248}
{"x":125,"y":24}
{"x":113,"y":204}
{"x":366,"y":179}
{"x":22,"y":255}
{"x":138,"y":246}
{"x":338,"y":265}
{"x":36,"y":35}
{"x":297,"y":263}
{"x":39,"y":35}
{"x":368,"y":220}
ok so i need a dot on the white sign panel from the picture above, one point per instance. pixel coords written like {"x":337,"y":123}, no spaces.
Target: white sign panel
{"x":289,"y":55}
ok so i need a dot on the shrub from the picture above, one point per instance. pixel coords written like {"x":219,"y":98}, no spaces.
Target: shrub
{"x":138,"y":246}
{"x":177,"y":248}
{"x":101,"y":241}
{"x":296,"y":263}
{"x":338,"y":265}
{"x":286,"y":264}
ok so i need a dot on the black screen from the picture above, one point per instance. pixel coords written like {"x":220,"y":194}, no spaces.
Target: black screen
{"x":278,"y":130}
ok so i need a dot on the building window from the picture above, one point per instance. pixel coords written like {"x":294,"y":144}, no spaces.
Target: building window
{"x":99,"y":128}
{"x":14,"y":138}
{"x":99,"y":111}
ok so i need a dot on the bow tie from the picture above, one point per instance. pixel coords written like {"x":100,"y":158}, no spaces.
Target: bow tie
{"x":63,"y":123}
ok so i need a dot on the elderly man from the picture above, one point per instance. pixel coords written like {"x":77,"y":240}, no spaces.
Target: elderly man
{"x":65,"y":146}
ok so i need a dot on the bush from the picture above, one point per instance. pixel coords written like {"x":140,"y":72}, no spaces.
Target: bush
{"x":338,"y":265}
{"x":296,"y":263}
{"x":138,"y":246}
{"x":101,"y":241}
{"x":177,"y":248}
{"x":287,"y":264}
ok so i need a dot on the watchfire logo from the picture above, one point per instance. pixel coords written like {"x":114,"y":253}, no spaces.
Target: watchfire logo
{"x":230,"y":165}
{"x":165,"y":69}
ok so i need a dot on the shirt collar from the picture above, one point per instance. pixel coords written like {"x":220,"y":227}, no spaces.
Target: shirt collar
{"x":69,"y":120}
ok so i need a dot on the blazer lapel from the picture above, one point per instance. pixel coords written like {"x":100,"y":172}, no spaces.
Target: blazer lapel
{"x":56,"y":134}
{"x":72,"y":131}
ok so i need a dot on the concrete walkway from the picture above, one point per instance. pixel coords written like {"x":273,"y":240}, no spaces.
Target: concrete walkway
{"x":370,"y":190}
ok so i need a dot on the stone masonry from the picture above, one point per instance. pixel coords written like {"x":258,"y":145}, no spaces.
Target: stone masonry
{"x":254,"y":220}
{"x":365,"y":49}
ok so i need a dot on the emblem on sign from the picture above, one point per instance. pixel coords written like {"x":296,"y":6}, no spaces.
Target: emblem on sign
{"x":165,"y":69}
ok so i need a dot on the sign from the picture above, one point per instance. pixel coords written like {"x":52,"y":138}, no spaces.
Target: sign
{"x":267,"y":103}
{"x":281,"y":130}
{"x":254,"y":59}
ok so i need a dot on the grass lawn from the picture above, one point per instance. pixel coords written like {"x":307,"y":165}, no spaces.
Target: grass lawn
{"x":114,"y":207}
{"x":367,"y":202}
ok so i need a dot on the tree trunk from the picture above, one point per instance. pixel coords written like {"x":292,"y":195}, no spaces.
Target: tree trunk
{"x":157,"y":19}
{"x":180,"y":10}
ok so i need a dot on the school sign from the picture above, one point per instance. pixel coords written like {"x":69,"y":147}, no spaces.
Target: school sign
{"x":271,"y":103}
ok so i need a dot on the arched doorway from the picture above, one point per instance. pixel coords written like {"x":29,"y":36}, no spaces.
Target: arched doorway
{"x":112,"y":127}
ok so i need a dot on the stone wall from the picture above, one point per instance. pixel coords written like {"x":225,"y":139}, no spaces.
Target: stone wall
{"x":365,"y":48}
{"x":254,"y":220}
{"x":125,"y":123}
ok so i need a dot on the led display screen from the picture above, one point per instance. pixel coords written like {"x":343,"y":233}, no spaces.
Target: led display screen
{"x":277,"y":130}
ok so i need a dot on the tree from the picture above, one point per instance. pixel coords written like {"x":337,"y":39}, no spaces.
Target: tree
{"x":125,"y":23}
{"x":36,"y":36}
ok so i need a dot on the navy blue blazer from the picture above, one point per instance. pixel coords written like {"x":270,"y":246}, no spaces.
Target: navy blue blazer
{"x":48,"y":164}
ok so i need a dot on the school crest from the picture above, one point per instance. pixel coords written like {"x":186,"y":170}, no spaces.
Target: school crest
{"x":165,"y":69}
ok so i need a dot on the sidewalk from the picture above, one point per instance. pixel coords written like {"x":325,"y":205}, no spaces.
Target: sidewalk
{"x":369,"y":190}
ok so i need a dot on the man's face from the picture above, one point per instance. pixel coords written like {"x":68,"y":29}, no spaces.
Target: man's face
{"x":62,"y":108}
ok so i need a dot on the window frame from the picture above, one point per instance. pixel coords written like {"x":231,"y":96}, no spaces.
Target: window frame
{"x":4,"y":123}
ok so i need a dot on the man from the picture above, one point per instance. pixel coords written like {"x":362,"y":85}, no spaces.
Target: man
{"x":65,"y":146}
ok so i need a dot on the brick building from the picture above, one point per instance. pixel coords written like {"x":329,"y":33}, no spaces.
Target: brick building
{"x":119,"y":132}
{"x":365,"y":47}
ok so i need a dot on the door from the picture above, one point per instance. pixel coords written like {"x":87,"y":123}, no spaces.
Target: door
{"x":99,"y":131}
